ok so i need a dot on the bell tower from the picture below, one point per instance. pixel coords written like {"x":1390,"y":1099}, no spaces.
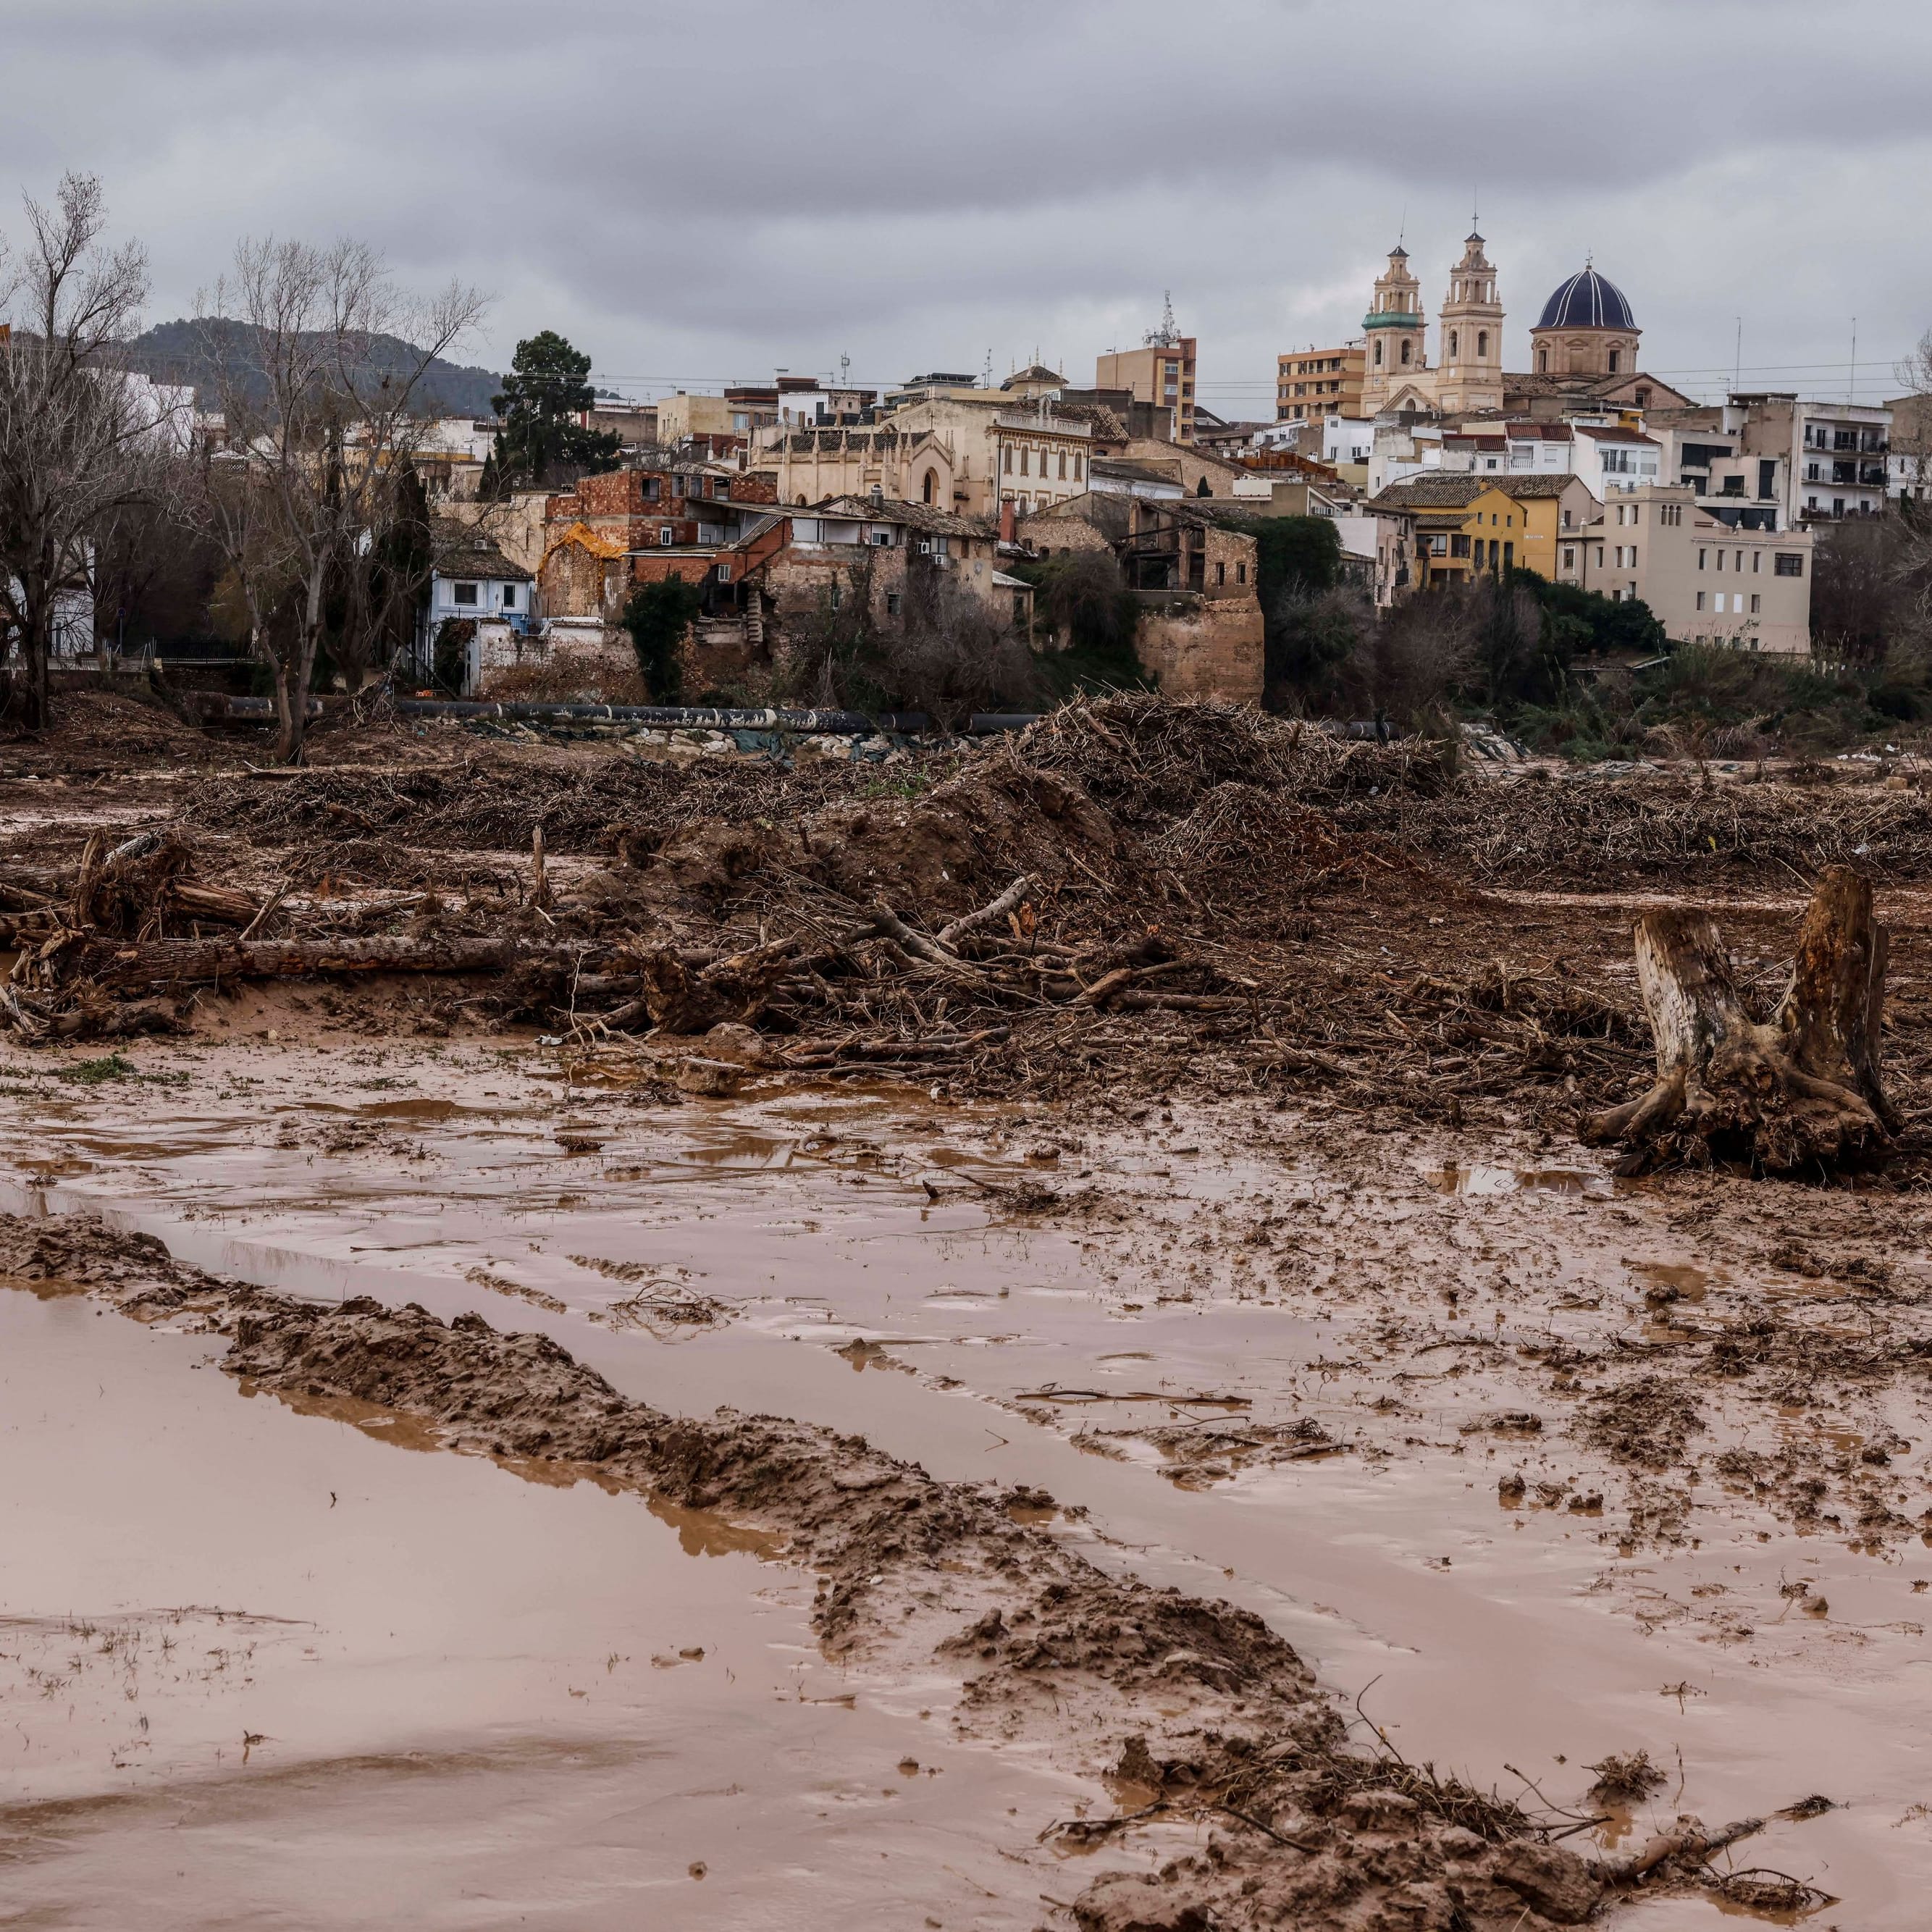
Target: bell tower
{"x":1397,"y":347}
{"x":1471,"y":374}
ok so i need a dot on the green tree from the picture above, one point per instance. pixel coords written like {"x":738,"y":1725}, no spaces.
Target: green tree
{"x":1297,"y":560}
{"x":541,"y":442}
{"x":657,"y":617}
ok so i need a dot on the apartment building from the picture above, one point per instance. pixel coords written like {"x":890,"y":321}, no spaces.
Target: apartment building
{"x":1163,"y":373}
{"x":1311,"y":383}
{"x":1706,"y":581}
{"x":1835,"y":454}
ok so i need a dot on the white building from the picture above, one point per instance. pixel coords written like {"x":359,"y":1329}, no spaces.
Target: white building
{"x":473,"y":582}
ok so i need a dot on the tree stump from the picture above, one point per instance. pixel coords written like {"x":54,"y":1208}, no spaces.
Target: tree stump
{"x":1799,"y":1092}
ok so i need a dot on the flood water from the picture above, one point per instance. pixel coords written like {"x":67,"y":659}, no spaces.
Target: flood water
{"x":859,"y":1279}
{"x":261,"y":1668}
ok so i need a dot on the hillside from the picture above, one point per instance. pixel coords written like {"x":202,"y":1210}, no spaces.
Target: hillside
{"x":183,"y":351}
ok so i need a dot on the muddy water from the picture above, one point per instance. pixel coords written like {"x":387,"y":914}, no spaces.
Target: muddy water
{"x":258,"y":1667}
{"x":1027,"y":1350}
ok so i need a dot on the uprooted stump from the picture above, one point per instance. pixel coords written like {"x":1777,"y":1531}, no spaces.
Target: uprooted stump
{"x":1800,"y":1091}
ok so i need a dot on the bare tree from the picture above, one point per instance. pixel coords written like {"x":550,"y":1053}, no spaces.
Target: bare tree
{"x":320,"y":362}
{"x":80,"y":439}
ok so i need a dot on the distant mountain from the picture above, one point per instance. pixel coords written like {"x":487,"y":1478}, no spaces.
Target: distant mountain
{"x":182,"y":352}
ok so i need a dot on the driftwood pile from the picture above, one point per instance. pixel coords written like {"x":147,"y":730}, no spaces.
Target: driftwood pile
{"x":1133,"y":894}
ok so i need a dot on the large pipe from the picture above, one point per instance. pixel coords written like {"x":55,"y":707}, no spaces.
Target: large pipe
{"x":665,"y":716}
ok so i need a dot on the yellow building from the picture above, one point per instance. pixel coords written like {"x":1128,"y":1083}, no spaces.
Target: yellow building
{"x":1310,"y":383}
{"x":1468,"y":523}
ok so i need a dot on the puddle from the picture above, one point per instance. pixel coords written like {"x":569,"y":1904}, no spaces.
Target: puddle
{"x":1453,"y":1180}
{"x":257,"y":1667}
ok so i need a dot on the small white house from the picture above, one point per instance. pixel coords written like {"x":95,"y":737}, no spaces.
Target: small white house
{"x":474,"y":583}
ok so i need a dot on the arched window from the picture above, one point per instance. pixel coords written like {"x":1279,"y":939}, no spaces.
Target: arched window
{"x":1455,"y":350}
{"x":801,"y":500}
{"x":930,"y":488}
{"x":1482,"y":343}
{"x":1405,"y":354}
{"x":1378,"y":351}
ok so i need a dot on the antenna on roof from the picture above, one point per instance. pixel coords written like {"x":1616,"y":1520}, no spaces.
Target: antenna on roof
{"x":1167,"y":336}
{"x":986,"y":376}
{"x":844,"y":372}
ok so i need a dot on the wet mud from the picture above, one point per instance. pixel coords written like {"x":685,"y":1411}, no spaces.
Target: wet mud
{"x":1233,"y":1442}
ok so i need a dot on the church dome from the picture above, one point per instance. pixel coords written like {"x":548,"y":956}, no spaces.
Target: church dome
{"x":1586,"y":301}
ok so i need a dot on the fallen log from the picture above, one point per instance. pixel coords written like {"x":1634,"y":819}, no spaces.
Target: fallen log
{"x":121,"y":967}
{"x":1800,"y":1091}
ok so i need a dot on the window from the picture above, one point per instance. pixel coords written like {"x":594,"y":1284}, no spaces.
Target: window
{"x":466,"y":593}
{"x":1600,"y":557}
{"x":1076,"y":466}
{"x":1757,"y":603}
{"x":1220,"y":573}
{"x":1026,"y":462}
{"x":929,"y":488}
{"x":1240,"y":573}
{"x":1406,"y":350}
{"x":653,"y":488}
{"x":1700,"y":560}
{"x":1542,"y":361}
{"x":1787,"y":563}
{"x":1006,"y":459}
{"x":891,"y":603}
{"x":509,"y":597}
{"x":1633,"y":563}
{"x":1616,"y":360}
{"x":723,"y":573}
{"x":1700,"y":600}
{"x":1569,"y":557}
{"x":1063,"y":466}
{"x":1459,"y":546}
{"x":1568,"y":519}
{"x":1643,"y":399}
{"x":665,"y":534}
{"x":1378,"y":351}
{"x":1482,"y":343}
{"x":1620,"y":556}
{"x":1757,"y":561}
{"x":1454,"y":341}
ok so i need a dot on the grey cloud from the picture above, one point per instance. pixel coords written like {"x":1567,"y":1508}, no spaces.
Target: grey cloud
{"x":702,"y":191}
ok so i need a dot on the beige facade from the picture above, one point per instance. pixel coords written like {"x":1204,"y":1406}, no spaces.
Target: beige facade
{"x":1310,"y":383}
{"x":1470,"y":374}
{"x":1704,"y":581}
{"x":968,"y":451}
{"x":1162,"y":374}
{"x":736,"y":412}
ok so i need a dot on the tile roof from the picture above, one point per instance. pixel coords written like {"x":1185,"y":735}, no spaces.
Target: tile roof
{"x":462,"y":549}
{"x":1450,"y":487}
{"x":926,"y":517}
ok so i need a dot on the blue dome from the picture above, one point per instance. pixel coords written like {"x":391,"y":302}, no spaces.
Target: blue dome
{"x":1586,"y":301}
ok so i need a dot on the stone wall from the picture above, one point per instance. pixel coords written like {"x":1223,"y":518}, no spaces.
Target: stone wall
{"x":1203,"y":647}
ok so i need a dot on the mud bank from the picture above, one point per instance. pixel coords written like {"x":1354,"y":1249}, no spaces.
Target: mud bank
{"x":1195,"y":1707}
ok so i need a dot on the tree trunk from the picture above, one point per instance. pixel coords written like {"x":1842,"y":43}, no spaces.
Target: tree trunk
{"x":124,"y":968}
{"x":1799,"y":1092}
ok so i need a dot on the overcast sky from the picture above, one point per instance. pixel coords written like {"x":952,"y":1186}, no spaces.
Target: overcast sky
{"x":702,"y":192}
